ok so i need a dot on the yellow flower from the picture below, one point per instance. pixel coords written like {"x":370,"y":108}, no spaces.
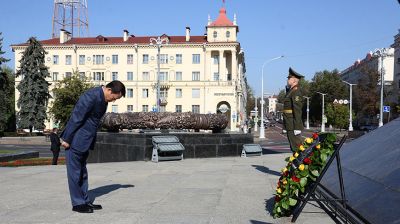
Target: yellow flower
{"x":284,"y":170}
{"x":296,"y":155}
{"x":278,"y":190}
{"x":309,"y":140}
{"x":301,"y":147}
{"x":284,"y":182}
{"x":301,"y":167}
{"x":318,"y":146}
{"x":291,"y":159}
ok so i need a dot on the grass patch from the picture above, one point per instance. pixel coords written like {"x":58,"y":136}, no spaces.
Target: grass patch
{"x":5,"y":151}
{"x":32,"y":162}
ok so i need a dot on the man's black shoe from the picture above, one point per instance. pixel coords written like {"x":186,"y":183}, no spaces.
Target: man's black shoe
{"x":93,"y":206}
{"x":82,"y":208}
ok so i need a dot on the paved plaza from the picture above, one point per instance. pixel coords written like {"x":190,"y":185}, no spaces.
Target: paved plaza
{"x":213,"y":190}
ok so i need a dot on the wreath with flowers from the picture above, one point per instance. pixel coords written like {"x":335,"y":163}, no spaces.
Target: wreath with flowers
{"x":302,"y":169}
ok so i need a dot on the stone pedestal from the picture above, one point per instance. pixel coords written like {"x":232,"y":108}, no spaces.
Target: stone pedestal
{"x":119,"y":147}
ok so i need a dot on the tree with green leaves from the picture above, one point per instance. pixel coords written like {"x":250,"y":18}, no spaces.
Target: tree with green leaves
{"x":7,"y":101}
{"x":66,"y":93}
{"x":366,"y":98}
{"x":5,"y":84}
{"x":33,"y":88}
{"x":329,"y":83}
{"x":337,"y":115}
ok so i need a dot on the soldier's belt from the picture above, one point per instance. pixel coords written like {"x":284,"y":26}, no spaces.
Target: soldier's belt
{"x":287,"y":111}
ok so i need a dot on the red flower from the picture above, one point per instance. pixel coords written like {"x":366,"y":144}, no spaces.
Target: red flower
{"x":277,"y":198}
{"x":286,"y":173}
{"x":295,"y":179}
{"x":315,"y":135}
{"x":307,"y":161}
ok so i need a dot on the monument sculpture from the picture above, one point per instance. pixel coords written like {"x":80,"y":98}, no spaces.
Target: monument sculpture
{"x":164,"y":120}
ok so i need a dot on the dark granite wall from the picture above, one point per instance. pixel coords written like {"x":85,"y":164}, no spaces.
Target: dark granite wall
{"x":118,"y":147}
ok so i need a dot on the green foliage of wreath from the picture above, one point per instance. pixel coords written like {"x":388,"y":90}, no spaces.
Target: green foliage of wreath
{"x":303,"y":168}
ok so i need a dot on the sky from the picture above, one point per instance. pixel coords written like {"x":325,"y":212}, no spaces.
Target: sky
{"x":312,"y":35}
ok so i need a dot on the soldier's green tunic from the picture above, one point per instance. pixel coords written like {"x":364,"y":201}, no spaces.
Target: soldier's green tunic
{"x":292,"y":116}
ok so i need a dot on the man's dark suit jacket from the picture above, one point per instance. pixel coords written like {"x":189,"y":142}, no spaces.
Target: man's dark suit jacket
{"x":55,"y":142}
{"x":80,"y":131}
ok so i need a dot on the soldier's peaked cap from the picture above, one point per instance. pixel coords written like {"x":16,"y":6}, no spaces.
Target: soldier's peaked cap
{"x":293,"y":73}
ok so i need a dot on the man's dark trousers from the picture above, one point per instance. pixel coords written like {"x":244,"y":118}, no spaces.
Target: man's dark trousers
{"x":77,"y":176}
{"x":294,"y":140}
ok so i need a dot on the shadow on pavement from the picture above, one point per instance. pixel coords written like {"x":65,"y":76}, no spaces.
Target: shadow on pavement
{"x":258,"y":222}
{"x":97,"y":192}
{"x":269,"y":205}
{"x":266,"y":170}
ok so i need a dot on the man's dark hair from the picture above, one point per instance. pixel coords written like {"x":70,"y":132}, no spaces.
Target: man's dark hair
{"x":116,"y":87}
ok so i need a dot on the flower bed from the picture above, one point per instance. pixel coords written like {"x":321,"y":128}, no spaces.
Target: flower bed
{"x":303,"y":168}
{"x":32,"y":162}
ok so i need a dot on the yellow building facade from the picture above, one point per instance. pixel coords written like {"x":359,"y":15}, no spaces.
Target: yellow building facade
{"x":201,"y":74}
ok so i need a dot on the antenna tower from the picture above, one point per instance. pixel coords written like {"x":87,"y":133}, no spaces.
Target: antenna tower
{"x":72,"y":16}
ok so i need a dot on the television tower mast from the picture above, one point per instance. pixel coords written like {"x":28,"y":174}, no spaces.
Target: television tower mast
{"x":72,"y":16}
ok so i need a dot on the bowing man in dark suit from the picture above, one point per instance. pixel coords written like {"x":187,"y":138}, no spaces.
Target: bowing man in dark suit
{"x":55,"y":145}
{"x":79,"y":136}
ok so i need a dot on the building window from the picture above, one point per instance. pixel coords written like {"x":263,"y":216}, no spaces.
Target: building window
{"x":55,"y":59}
{"x":115,"y":59}
{"x":196,"y":58}
{"x":145,"y":93}
{"x":145,"y":59}
{"x":163,"y":58}
{"x":145,"y":76}
{"x":216,"y":59}
{"x":215,"y":34}
{"x":129,"y":76}
{"x":114,"y":76}
{"x":68,"y":59}
{"x":216,"y":76}
{"x":178,"y":76}
{"x":178,"y":108}
{"x":129,"y":93}
{"x":196,"y":93}
{"x":196,"y":109}
{"x":98,"y":76}
{"x":195,"y":76}
{"x":163,"y":93}
{"x":68,"y":75}
{"x":145,"y":108}
{"x":81,"y":59}
{"x":98,"y":59}
{"x":163,"y":76}
{"x":129,"y":108}
{"x":114,"y":108}
{"x":82,"y":76}
{"x":229,"y":77}
{"x":130,"y":59}
{"x":178,"y":93}
{"x":55,"y":76}
{"x":228,"y":34}
{"x":178,"y":58}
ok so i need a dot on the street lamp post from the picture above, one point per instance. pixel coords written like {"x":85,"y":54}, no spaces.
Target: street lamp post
{"x":351,"y":105}
{"x":256,"y":115}
{"x":262,"y":129}
{"x":381,"y":53}
{"x":158,"y":42}
{"x":323,"y":112}
{"x":308,"y":110}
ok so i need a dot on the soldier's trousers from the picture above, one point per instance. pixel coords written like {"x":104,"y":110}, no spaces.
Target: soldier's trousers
{"x":294,"y":140}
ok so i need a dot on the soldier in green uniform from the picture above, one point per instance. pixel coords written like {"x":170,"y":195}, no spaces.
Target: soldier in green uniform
{"x":292,"y":110}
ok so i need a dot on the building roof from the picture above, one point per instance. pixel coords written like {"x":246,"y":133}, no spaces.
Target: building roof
{"x":222,"y":19}
{"x":101,"y":40}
